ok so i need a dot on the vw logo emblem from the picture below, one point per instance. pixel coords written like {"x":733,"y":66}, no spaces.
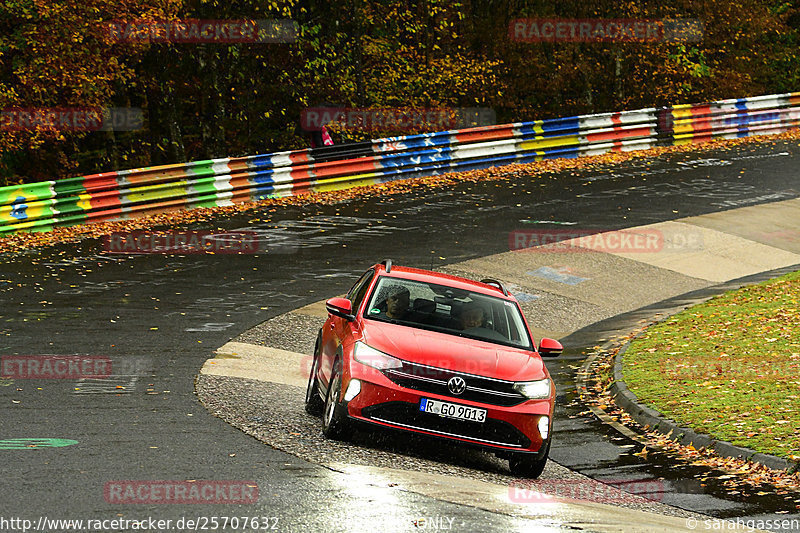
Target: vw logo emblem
{"x":456,"y":385}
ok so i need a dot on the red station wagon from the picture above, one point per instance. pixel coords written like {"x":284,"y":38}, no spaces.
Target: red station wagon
{"x":437,"y":355}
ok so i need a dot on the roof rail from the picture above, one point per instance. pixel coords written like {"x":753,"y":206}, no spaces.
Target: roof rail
{"x":388,"y":264}
{"x":494,"y":282}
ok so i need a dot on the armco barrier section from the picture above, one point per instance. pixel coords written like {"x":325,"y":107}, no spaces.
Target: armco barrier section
{"x":131,"y":193}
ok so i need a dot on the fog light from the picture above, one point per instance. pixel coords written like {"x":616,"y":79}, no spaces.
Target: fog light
{"x":353,"y":388}
{"x":544,"y":426}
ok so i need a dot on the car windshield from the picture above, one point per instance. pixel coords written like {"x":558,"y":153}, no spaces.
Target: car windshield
{"x":448,"y":310}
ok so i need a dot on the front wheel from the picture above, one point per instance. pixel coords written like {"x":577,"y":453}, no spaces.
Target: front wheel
{"x":529,"y":466}
{"x":334,"y":422}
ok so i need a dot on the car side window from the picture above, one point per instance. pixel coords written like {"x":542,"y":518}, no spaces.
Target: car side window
{"x":359,"y":290}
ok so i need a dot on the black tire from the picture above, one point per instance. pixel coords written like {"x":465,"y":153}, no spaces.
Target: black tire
{"x":334,"y":422}
{"x":529,"y":466}
{"x":314,"y":402}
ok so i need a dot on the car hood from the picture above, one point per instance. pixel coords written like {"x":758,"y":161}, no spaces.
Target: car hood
{"x":452,"y":352}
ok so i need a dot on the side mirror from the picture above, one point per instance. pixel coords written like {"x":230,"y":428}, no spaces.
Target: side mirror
{"x":550,"y":348}
{"x":341,"y":307}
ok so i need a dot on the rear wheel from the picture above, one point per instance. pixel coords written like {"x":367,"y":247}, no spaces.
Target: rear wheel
{"x":334,"y":422}
{"x":529,"y":466}
{"x":313,"y":401}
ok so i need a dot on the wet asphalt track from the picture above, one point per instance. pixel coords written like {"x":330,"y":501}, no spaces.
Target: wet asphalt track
{"x":159,"y":317}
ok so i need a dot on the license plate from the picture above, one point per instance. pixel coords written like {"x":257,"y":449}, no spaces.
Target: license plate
{"x":452,"y":410}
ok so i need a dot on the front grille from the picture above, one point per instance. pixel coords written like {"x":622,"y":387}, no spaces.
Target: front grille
{"x":408,"y":415}
{"x":425,"y":378}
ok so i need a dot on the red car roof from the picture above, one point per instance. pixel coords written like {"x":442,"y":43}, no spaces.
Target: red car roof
{"x":418,"y":274}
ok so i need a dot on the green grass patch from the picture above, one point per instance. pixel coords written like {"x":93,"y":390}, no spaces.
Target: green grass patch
{"x":729,"y":367}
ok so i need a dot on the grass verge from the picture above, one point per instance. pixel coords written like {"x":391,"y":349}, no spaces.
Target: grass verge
{"x":729,"y":367}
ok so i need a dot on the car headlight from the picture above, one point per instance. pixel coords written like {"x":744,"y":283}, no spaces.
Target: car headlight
{"x":534,"y":390}
{"x":372,"y":357}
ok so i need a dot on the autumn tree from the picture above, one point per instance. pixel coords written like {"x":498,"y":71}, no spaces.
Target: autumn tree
{"x":217,"y":99}
{"x":55,"y":53}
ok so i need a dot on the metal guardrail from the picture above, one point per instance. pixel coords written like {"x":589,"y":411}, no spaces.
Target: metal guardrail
{"x":131,"y":193}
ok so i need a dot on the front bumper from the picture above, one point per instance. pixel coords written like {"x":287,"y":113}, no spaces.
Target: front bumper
{"x":506,"y":429}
